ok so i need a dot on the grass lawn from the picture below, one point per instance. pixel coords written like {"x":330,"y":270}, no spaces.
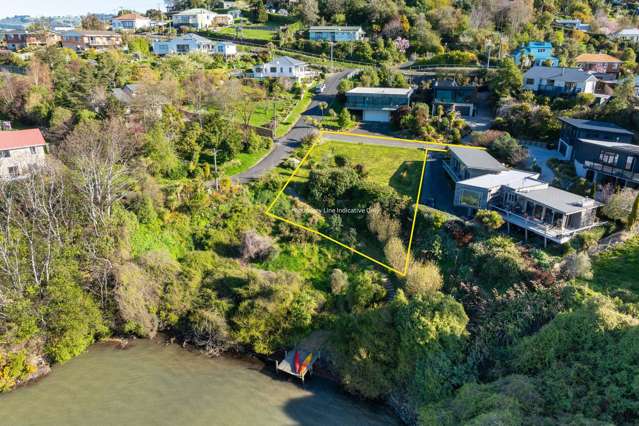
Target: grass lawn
{"x":617,"y":269}
{"x":294,"y":115}
{"x":263,"y":114}
{"x":250,"y":33}
{"x":243,"y":162}
{"x":399,"y":168}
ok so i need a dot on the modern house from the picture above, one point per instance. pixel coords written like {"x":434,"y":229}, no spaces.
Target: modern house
{"x":91,"y":39}
{"x":452,"y":96}
{"x":521,"y":198}
{"x":189,"y":43}
{"x":195,"y":18}
{"x":335,"y":33}
{"x":467,"y":163}
{"x":559,"y":81}
{"x":282,"y":67}
{"x":628,"y":34}
{"x":20,"y":152}
{"x":574,"y":24}
{"x":130,"y":21}
{"x":17,"y":40}
{"x":598,"y":63}
{"x":377,"y":103}
{"x":573,"y":130}
{"x":535,"y":53}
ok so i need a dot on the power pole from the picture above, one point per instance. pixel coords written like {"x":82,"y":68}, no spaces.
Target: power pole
{"x":332,"y":57}
{"x":490,"y":46}
{"x":217,"y":180}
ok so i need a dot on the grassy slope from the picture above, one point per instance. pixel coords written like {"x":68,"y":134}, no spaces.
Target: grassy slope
{"x":250,"y":33}
{"x":243,"y":162}
{"x":294,"y":115}
{"x":617,"y":268}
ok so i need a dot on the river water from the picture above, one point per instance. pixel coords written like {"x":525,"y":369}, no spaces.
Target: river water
{"x":152,"y":383}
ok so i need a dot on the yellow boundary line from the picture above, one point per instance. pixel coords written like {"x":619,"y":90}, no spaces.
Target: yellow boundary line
{"x":353,"y":249}
{"x":388,"y":138}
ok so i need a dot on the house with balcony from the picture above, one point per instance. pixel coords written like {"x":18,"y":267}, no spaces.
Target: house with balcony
{"x":573,"y":130}
{"x":467,"y":163}
{"x":18,"y":40}
{"x":573,"y":24}
{"x":520,"y":197}
{"x":559,"y":81}
{"x":377,"y":103}
{"x":335,"y":33}
{"x":130,"y":22}
{"x":91,"y":39}
{"x":452,"y":96}
{"x":535,"y":53}
{"x":599,"y":63}
{"x":190,"y":43}
{"x":282,"y":67}
{"x":196,"y":18}
{"x":20,"y":152}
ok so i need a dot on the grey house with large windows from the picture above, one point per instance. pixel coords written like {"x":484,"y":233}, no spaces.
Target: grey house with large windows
{"x":377,"y":103}
{"x":520,"y":197}
{"x":600,"y":151}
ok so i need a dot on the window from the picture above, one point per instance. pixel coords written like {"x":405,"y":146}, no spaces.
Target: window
{"x":273,"y":69}
{"x":5,"y":154}
{"x":608,"y":157}
{"x":630,"y":162}
{"x":470,"y":198}
{"x":33,"y":150}
{"x":530,"y":81}
{"x":570,"y":85}
{"x":13,"y":171}
{"x":550,"y":82}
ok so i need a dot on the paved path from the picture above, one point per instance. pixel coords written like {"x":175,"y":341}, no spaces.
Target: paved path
{"x":287,"y":144}
{"x":370,"y":139}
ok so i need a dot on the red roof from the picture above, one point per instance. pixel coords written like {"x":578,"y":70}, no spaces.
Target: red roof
{"x":14,"y":139}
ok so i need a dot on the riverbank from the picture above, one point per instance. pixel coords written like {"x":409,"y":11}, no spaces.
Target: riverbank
{"x":158,"y":383}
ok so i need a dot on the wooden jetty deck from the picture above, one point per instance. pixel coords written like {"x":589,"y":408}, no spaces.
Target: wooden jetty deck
{"x":287,"y":365}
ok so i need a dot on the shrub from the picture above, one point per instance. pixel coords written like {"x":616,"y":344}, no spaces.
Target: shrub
{"x":395,"y":253}
{"x":382,"y":225}
{"x":256,"y":247}
{"x":508,"y":150}
{"x":619,"y":205}
{"x":577,"y":265}
{"x":339,"y":281}
{"x":423,"y":279}
{"x":489,"y":219}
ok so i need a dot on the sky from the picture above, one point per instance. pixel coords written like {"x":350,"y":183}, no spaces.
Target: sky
{"x":73,"y":7}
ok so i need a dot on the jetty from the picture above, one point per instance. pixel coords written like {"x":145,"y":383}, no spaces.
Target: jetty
{"x":305,"y":363}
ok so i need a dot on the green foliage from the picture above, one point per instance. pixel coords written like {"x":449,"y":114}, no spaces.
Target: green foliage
{"x":508,"y":150}
{"x":508,"y":79}
{"x":14,"y":366}
{"x":497,"y":262}
{"x":489,"y":219}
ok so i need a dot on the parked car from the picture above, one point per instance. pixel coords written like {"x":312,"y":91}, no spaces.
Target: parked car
{"x":320,"y":88}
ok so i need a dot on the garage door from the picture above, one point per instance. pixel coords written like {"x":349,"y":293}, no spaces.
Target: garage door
{"x":383,"y":116}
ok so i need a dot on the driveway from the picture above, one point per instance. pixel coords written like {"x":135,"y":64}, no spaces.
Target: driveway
{"x":541,"y":157}
{"x":287,"y":144}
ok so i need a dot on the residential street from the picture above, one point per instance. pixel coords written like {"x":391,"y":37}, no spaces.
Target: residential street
{"x":285,"y":145}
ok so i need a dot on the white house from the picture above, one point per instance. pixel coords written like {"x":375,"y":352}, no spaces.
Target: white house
{"x":189,"y":43}
{"x":130,"y":21}
{"x":196,"y":18}
{"x":628,"y":34}
{"x":555,"y":81}
{"x":283,"y":66}
{"x":20,"y":152}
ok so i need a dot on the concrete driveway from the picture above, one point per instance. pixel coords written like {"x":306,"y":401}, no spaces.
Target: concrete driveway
{"x":541,"y":157}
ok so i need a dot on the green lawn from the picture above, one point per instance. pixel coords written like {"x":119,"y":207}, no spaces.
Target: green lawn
{"x":243,"y":162}
{"x":399,"y":168}
{"x":617,"y":269}
{"x":294,"y":115}
{"x":250,"y":33}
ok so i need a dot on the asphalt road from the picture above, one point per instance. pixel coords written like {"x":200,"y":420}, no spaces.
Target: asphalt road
{"x":285,"y":145}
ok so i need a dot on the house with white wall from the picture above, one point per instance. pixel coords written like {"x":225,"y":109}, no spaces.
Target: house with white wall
{"x":556,"y":81}
{"x":190,"y":43}
{"x":196,"y":18}
{"x":282,"y":67}
{"x":627,"y":34}
{"x":130,"y":21}
{"x":20,"y":152}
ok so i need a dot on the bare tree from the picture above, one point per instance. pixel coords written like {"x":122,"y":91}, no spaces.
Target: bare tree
{"x":199,"y":88}
{"x":100,"y":154}
{"x":152,"y":96}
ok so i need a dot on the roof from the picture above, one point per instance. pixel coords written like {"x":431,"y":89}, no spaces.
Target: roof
{"x":196,"y":11}
{"x":619,"y":146}
{"x":595,"y":125}
{"x":558,"y":73}
{"x":14,"y":139}
{"x":515,"y":179}
{"x":628,"y":31}
{"x":195,"y":37}
{"x":129,"y":17}
{"x":538,"y":44}
{"x":334,"y":28}
{"x":560,"y":200}
{"x":596,"y":58}
{"x":94,"y":32}
{"x":449,"y":84}
{"x":381,"y":91}
{"x":287,"y":61}
{"x":477,"y":159}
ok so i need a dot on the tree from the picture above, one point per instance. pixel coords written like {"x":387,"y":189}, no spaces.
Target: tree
{"x":344,"y":120}
{"x":92,"y":22}
{"x":322,"y":106}
{"x":199,"y":88}
{"x":633,"y":218}
{"x":508,"y":150}
{"x":507,"y":80}
{"x":259,"y":12}
{"x":255,"y":246}
{"x":308,"y":11}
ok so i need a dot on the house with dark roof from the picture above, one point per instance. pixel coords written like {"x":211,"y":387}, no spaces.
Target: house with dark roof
{"x":453,"y":96}
{"x":335,"y":33}
{"x":559,"y":81}
{"x":520,"y":197}
{"x":600,"y":151}
{"x":282,"y":67}
{"x":20,"y":152}
{"x":535,"y":53}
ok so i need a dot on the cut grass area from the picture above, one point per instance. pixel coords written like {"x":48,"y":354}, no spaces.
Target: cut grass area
{"x":243,"y":162}
{"x":617,"y":269}
{"x":295,"y":114}
{"x":249,"y":33}
{"x":399,"y":168}
{"x":264,"y":110}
